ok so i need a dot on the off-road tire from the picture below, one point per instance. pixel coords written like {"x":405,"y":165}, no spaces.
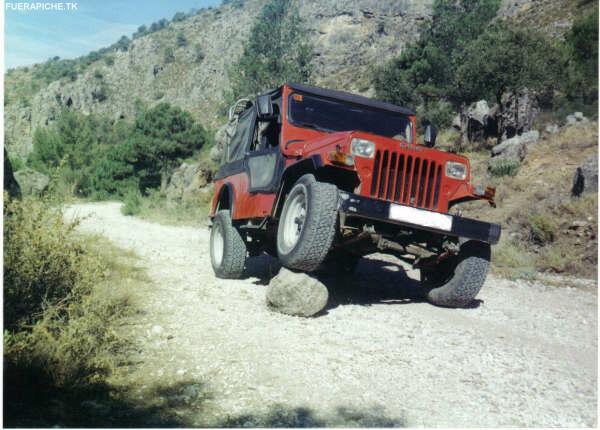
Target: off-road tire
{"x":456,"y":282}
{"x":233,"y":259}
{"x":319,"y":225}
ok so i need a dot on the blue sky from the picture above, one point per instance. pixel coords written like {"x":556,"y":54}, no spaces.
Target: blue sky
{"x":32,"y":36}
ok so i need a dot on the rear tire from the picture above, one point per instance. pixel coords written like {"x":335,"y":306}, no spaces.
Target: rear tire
{"x":307,"y":224}
{"x":227,"y":248}
{"x":456,"y":282}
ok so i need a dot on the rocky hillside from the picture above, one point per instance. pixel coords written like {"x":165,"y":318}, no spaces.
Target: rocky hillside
{"x":186,"y":62}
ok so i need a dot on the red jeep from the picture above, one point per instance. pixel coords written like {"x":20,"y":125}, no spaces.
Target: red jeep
{"x":319,"y":177}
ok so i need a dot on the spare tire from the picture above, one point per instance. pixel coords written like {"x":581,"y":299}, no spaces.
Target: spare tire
{"x":456,"y":281}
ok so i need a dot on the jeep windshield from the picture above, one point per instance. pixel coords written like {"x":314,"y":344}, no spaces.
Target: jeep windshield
{"x":330,"y":115}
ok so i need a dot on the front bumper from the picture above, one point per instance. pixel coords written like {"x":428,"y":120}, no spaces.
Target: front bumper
{"x":352,"y":205}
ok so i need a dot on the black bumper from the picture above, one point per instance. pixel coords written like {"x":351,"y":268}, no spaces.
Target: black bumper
{"x":352,"y":205}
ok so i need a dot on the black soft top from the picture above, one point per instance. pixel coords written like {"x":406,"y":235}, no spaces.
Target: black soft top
{"x":350,"y":98}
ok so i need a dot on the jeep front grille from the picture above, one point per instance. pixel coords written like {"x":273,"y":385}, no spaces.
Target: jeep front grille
{"x":406,"y":179}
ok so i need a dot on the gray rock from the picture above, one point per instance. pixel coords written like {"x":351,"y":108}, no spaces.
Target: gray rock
{"x":552,"y":129}
{"x":577,"y":224}
{"x":585,"y":179}
{"x":477,"y":122}
{"x":479,"y":111}
{"x":576,"y":118}
{"x":456,"y":122}
{"x":296,"y":293}
{"x":188,"y":181}
{"x":31,"y":182}
{"x":516,"y":147}
{"x":518,"y":111}
{"x":571,"y":120}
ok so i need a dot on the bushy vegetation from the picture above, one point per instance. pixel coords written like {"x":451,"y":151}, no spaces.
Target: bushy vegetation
{"x":63,"y":297}
{"x":100,"y":158}
{"x":505,"y":59}
{"x":276,"y":51}
{"x":181,"y":40}
{"x":464,"y":56}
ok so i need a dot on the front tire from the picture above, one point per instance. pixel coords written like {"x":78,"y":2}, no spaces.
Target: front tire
{"x":307,"y":224}
{"x":456,"y":281}
{"x":227,"y":248}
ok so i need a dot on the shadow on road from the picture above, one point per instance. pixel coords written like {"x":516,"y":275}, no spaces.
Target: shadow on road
{"x":31,"y":402}
{"x":301,"y":417}
{"x":373,"y":282}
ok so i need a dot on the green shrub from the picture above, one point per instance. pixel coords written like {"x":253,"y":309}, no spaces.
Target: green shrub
{"x":581,"y":49}
{"x":489,"y":67}
{"x":169,"y":55}
{"x":275,"y":52}
{"x":179,"y":16}
{"x":542,"y":230}
{"x":164,"y":136}
{"x":98,"y":74}
{"x":122,"y":44}
{"x":63,"y":297}
{"x":44,"y":264}
{"x":500,"y":166}
{"x":109,"y":60}
{"x":438,"y":113}
{"x":424,"y":72}
{"x":198,"y":54}
{"x":132,"y":203}
{"x":181,"y":40}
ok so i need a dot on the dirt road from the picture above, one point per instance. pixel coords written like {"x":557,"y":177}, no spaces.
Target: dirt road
{"x":525,"y":356}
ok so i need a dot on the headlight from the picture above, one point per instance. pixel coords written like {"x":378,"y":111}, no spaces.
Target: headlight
{"x":456,"y":170}
{"x":362,"y":148}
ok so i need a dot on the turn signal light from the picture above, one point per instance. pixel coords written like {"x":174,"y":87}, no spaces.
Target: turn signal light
{"x":341,"y":158}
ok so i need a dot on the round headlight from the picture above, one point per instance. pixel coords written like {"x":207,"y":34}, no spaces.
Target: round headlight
{"x":362,"y":148}
{"x":456,"y":170}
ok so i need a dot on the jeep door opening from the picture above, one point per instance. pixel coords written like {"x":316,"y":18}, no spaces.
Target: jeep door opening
{"x":317,"y":177}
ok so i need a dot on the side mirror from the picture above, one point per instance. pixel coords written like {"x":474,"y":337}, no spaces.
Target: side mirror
{"x":430,"y":135}
{"x":264,"y":107}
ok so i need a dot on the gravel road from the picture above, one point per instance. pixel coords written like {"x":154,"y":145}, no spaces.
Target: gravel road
{"x":526,"y":355}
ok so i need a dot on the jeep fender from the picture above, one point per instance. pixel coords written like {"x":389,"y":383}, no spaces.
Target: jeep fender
{"x":225,"y":199}
{"x":291,"y":174}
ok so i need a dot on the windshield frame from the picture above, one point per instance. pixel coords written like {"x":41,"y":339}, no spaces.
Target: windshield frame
{"x":290,"y":118}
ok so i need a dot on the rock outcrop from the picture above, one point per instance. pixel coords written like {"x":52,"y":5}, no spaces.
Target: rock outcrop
{"x":585,"y":179}
{"x":576,"y":118}
{"x":518,"y":110}
{"x":188,"y":182}
{"x":508,"y":155}
{"x":32,"y":182}
{"x":349,"y":37}
{"x":296,"y":293}
{"x":477,"y":122}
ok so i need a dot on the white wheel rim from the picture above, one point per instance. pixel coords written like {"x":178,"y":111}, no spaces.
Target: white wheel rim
{"x":217,"y":244}
{"x":293,"y":220}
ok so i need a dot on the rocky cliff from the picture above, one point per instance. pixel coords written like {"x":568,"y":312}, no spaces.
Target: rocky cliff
{"x":350,"y":37}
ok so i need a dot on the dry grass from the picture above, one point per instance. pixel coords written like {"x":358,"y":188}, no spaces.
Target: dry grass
{"x":71,"y":293}
{"x":156,"y":208}
{"x":536,"y":210}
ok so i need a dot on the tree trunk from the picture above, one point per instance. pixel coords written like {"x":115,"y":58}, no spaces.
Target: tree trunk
{"x":164,"y":179}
